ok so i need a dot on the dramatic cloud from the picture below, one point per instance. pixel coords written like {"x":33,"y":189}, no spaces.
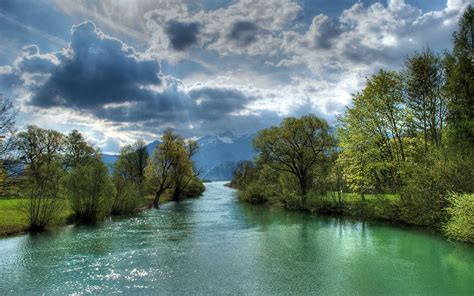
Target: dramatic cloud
{"x":204,"y":66}
{"x":244,"y":23}
{"x":370,"y":37}
{"x":182,"y":35}
{"x":95,"y":70}
{"x":101,"y":76}
{"x":243,"y":33}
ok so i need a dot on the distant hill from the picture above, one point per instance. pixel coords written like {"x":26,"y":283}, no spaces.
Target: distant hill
{"x":217,"y":155}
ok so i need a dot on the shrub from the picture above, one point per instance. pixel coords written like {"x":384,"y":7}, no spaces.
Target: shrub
{"x":253,"y":193}
{"x":90,"y":191}
{"x":460,"y":225}
{"x":194,"y":189}
{"x":128,"y":199}
{"x":44,"y":193}
{"x":423,"y":197}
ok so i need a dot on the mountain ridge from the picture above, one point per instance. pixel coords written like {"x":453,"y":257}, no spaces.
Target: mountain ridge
{"x":217,"y":156}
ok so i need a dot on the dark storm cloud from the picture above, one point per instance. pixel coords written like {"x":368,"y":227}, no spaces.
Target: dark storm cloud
{"x":101,"y":76}
{"x":244,"y":33}
{"x":190,"y":127}
{"x":212,"y":103}
{"x":182,"y":35}
{"x":96,"y":70}
{"x":33,"y":62}
{"x":175,"y":105}
{"x":327,"y":31}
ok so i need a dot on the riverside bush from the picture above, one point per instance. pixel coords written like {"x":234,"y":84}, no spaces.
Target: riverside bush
{"x":460,"y":225}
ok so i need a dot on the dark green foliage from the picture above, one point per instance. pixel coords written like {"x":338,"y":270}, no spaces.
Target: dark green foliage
{"x":128,"y":198}
{"x":194,"y":188}
{"x":298,"y":147}
{"x":460,"y":83}
{"x":243,"y":174}
{"x":423,"y":197}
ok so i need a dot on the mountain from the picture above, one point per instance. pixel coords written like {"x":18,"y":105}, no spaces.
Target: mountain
{"x":151,"y":147}
{"x":221,"y":172}
{"x":109,"y":159}
{"x":217,"y":152}
{"x":217,"y":156}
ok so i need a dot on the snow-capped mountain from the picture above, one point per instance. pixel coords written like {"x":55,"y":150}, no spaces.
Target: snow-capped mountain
{"x":217,"y":152}
{"x":217,"y":155}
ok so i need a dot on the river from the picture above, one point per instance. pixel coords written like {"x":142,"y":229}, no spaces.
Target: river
{"x":218,"y":245}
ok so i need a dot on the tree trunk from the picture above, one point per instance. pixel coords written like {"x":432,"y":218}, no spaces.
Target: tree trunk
{"x":156,"y":201}
{"x":303,"y":188}
{"x":177,"y":193}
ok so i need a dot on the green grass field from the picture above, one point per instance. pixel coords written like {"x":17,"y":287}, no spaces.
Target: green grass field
{"x":14,"y":220}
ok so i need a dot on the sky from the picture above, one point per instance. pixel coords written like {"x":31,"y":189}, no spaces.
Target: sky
{"x":120,"y":70}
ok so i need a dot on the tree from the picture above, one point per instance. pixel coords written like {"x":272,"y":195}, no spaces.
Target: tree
{"x":425,"y":100}
{"x":460,"y":81}
{"x":243,"y":174}
{"x":131,"y":163}
{"x":295,"y":147}
{"x":128,"y":177}
{"x":40,"y":151}
{"x":77,"y":150}
{"x":183,"y":170}
{"x":373,"y":135}
{"x":9,"y":168}
{"x":90,"y":190}
{"x":170,"y":166}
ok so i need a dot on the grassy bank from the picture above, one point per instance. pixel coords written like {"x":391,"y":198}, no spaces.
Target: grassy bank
{"x":373,"y":206}
{"x":457,"y":222}
{"x":13,"y":219}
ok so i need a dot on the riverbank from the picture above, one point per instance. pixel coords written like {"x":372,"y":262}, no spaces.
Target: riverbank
{"x":14,"y":221}
{"x":13,"y":218}
{"x":374,"y":207}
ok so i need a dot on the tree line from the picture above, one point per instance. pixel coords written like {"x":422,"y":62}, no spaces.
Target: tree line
{"x":408,"y":134}
{"x":53,"y":171}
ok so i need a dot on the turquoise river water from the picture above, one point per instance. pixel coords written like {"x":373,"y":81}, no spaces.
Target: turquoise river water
{"x":216,"y":245}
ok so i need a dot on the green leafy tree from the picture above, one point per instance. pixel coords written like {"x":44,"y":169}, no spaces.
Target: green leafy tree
{"x":77,"y":150}
{"x":373,"y":135}
{"x":170,"y":167}
{"x":40,"y":152}
{"x":460,"y":82}
{"x":425,"y":99}
{"x":183,"y":171}
{"x":296,"y":147}
{"x":243,"y":174}
{"x":90,"y":190}
{"x":129,"y":178}
{"x":460,"y":225}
